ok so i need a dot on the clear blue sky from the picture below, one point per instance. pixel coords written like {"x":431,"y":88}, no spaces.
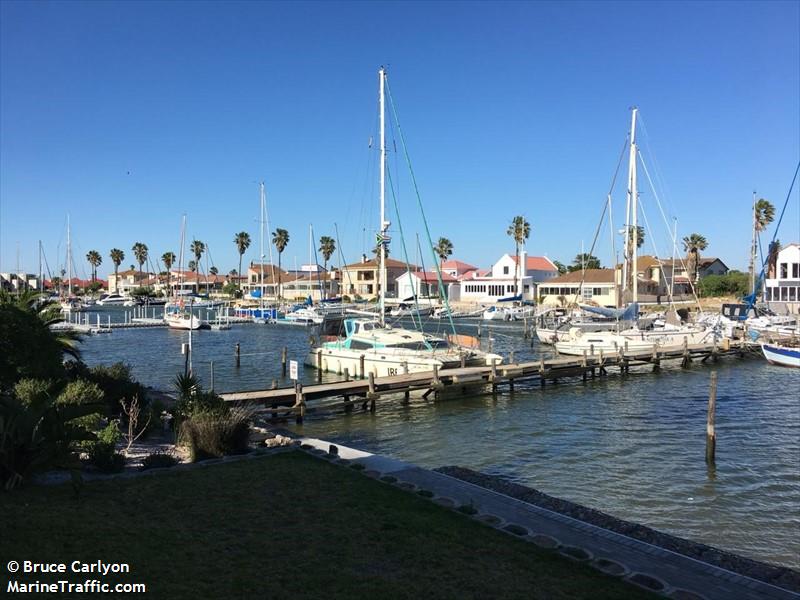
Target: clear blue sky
{"x":128,"y":115}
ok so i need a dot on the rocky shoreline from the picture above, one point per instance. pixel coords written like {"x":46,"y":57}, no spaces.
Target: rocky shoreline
{"x":780,"y":576}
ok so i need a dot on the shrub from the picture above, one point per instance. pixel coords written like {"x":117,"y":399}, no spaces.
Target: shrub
{"x":27,"y":347}
{"x":34,"y":392}
{"x":158,"y":460}
{"x":118,"y":385}
{"x":215,"y":434}
{"x":39,"y":436}
{"x":103,"y":450}
{"x":82,"y":392}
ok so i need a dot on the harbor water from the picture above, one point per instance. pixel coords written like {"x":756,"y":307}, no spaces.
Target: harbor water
{"x":632,"y":446}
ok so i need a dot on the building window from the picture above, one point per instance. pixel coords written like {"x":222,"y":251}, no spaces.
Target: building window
{"x":597,"y":291}
{"x":792,"y":294}
{"x":505,"y":270}
{"x":784,"y":270}
{"x":795,"y":270}
{"x":784,"y":294}
{"x":587,"y":293}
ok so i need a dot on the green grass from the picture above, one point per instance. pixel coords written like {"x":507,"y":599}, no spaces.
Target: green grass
{"x":284,"y":526}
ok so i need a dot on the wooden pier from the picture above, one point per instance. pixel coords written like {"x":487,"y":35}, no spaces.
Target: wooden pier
{"x":340,"y":395}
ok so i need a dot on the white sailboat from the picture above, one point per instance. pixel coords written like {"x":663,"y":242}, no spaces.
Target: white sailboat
{"x":70,"y":304}
{"x":627,"y":334}
{"x":178,"y":314}
{"x":372,"y":344}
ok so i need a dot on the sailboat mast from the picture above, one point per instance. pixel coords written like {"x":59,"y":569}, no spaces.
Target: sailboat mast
{"x":753,"y":250}
{"x":261,"y":248}
{"x":69,"y":261}
{"x":384,"y":224}
{"x":633,"y":232}
{"x":41,"y":275}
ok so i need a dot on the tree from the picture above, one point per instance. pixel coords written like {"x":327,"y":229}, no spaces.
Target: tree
{"x":763,"y":215}
{"x":192,"y":266}
{"x":140,"y":252}
{"x":168,"y":258}
{"x":693,"y":244}
{"x":94,"y":258}
{"x":213,"y":270}
{"x":584,"y":261}
{"x":519,"y":229}
{"x":639,"y":236}
{"x":327,"y":245}
{"x":772,"y":258}
{"x":562,"y":268}
{"x":280,"y":237}
{"x":242,"y":241}
{"x":117,"y":256}
{"x":443,"y":249}
{"x":197,"y":248}
{"x":377,"y":250}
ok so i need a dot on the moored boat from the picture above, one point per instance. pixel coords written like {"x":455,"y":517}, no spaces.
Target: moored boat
{"x":786,"y":354}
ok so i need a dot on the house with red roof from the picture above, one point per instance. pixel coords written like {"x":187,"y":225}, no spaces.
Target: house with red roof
{"x":457,"y":269}
{"x":509,"y":276}
{"x":424,"y":284}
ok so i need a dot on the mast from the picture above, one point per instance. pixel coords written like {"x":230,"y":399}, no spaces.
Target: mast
{"x":633,"y":197}
{"x":384,"y":223}
{"x":261,"y":248}
{"x":753,"y":251}
{"x":69,"y":261}
{"x":41,"y":275}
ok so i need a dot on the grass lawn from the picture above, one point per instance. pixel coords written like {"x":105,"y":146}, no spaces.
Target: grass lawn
{"x":283,"y":526}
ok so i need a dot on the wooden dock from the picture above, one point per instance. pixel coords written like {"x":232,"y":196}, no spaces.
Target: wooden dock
{"x":295,"y":401}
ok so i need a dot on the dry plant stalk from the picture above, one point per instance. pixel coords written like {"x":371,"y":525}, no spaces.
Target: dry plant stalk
{"x":132,"y":412}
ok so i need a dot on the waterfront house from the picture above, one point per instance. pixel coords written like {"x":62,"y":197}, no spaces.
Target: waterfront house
{"x":15,"y":282}
{"x":361,"y":279}
{"x":124,"y":282}
{"x":782,"y":286}
{"x":595,"y":285}
{"x":457,"y":269}
{"x":500,"y":282}
{"x":311,"y":283}
{"x":268,"y":287}
{"x":424,"y":284}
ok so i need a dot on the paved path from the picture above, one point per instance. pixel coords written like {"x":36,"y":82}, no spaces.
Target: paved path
{"x":652,"y":567}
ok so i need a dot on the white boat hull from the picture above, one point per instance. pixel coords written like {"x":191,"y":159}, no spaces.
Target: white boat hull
{"x":632,"y":341}
{"x":781,"y":355}
{"x":386,"y":362}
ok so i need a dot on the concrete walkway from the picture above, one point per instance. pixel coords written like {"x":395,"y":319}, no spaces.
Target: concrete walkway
{"x":651,"y":567}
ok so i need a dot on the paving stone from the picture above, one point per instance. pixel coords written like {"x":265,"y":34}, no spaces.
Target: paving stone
{"x":515,"y":529}
{"x":545,"y":541}
{"x":575,"y":553}
{"x":610,"y":567}
{"x":648,"y":582}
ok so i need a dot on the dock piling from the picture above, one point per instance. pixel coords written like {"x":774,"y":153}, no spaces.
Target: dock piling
{"x":237,"y":353}
{"x":284,"y":354}
{"x":361,"y":367}
{"x":346,"y":374}
{"x":212,"y":376}
{"x":711,"y":435}
{"x":319,"y":365}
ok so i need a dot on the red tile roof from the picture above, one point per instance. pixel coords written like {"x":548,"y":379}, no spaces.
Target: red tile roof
{"x":428,"y":277}
{"x":537,"y":263}
{"x":457,"y":265}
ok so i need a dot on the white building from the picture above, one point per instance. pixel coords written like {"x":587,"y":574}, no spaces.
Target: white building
{"x":508,"y":279}
{"x":424,"y":284}
{"x":782,"y":286}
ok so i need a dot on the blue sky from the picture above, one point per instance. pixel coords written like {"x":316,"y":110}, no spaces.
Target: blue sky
{"x":129,"y":115}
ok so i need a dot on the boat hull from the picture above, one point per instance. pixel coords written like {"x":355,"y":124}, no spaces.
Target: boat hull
{"x":385,"y":363}
{"x":781,"y":355}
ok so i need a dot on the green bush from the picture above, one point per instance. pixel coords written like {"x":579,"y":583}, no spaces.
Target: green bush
{"x":735,"y":283}
{"x":118,"y":386}
{"x":39,"y":436}
{"x":102,"y":451}
{"x":82,"y":392}
{"x":215,"y":434}
{"x":158,"y":460}
{"x":34,"y":392}
{"x":28,"y":349}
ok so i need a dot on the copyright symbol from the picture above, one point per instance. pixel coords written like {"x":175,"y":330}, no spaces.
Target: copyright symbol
{"x":13,"y":566}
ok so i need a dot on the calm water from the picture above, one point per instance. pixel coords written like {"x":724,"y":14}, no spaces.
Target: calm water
{"x":632,"y":447}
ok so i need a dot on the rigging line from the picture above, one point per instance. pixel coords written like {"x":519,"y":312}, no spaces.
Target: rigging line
{"x":341,"y":258}
{"x":659,"y":178}
{"x":316,"y":266}
{"x":606,"y":207}
{"x":405,"y":250}
{"x":786,"y":202}
{"x":692,"y":286}
{"x":422,"y":211}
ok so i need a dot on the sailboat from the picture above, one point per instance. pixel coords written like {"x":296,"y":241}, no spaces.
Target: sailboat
{"x":370,"y":343}
{"x":70,"y":304}
{"x":627,"y":333}
{"x":177,"y":314}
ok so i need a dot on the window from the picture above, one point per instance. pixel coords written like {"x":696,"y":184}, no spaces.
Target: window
{"x":587,"y":293}
{"x":792,"y":294}
{"x":505,"y":270}
{"x":784,"y":270}
{"x":597,"y":291}
{"x":359,"y":345}
{"x":795,"y":270}
{"x":784,"y":294}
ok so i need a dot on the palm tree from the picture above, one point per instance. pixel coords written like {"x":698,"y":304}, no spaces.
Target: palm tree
{"x":519,"y":229}
{"x":772,"y":258}
{"x":693,"y":244}
{"x":94,"y":258}
{"x":443,"y":249}
{"x":764,"y":214}
{"x":140,"y":252}
{"x":192,"y":266}
{"x":377,"y":250}
{"x":242,"y":241}
{"x":327,"y":245}
{"x":639,"y":236}
{"x":280,"y":237}
{"x":168,"y":258}
{"x":584,"y":261}
{"x":117,"y":256}
{"x":197,"y":248}
{"x":213,"y":270}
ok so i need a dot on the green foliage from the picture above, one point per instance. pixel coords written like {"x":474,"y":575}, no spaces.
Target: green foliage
{"x":158,"y":460}
{"x":102,"y":451}
{"x":28,"y":349}
{"x":34,"y":392}
{"x":735,"y":283}
{"x":211,"y":434}
{"x":562,"y":268}
{"x":82,"y":392}
{"x":231,"y":289}
{"x":584,"y":261}
{"x":39,"y":436}
{"x":117,"y":385}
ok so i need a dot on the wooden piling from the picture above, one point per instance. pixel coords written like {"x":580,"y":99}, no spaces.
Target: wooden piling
{"x":346,"y":374}
{"x":711,"y":435}
{"x":405,"y":367}
{"x":237,"y":353}
{"x":284,"y":354}
{"x":212,"y":376}
{"x":511,"y":357}
{"x":541,"y":372}
{"x":372,"y":395}
{"x":300,"y":403}
{"x":319,"y":365}
{"x":361,"y":367}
